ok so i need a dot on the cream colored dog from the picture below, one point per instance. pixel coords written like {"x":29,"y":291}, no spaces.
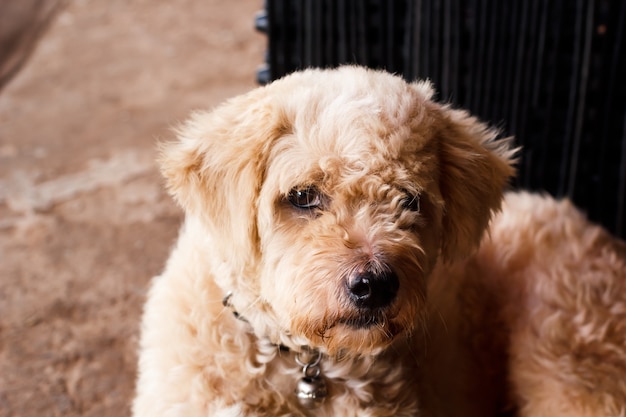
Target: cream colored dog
{"x":335,"y":261}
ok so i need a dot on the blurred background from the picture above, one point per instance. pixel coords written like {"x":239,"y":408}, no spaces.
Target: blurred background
{"x":84,"y":221}
{"x":88,"y":87}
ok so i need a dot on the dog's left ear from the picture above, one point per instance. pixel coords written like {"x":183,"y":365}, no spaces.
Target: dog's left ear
{"x":216,"y":167}
{"x":475,"y":167}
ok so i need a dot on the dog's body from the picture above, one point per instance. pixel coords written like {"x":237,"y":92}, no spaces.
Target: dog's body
{"x":343,"y":213}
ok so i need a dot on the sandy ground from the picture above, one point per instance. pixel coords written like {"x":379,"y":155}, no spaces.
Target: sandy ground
{"x":84,"y":221}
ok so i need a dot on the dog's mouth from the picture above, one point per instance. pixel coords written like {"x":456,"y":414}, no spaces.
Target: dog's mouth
{"x":364,"y":320}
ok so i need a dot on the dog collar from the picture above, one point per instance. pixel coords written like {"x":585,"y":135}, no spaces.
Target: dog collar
{"x":311,"y":390}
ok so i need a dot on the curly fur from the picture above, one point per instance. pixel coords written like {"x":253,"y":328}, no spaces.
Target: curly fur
{"x":522,"y":312}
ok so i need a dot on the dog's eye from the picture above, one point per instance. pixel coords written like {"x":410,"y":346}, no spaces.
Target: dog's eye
{"x":411,"y":202}
{"x":305,"y":198}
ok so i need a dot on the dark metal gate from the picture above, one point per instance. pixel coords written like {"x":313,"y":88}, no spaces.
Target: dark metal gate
{"x":550,"y":72}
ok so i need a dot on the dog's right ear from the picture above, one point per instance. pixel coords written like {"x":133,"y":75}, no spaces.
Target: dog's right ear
{"x":216,"y":167}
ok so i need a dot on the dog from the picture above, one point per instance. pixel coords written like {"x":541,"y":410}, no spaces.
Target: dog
{"x":351,"y":248}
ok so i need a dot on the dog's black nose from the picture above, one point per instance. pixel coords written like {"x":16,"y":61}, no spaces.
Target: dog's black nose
{"x":372,"y":290}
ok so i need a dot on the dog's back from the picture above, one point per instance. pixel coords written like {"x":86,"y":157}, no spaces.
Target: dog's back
{"x":561,"y":286}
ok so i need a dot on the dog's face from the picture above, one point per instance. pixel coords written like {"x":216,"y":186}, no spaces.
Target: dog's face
{"x":331,"y":195}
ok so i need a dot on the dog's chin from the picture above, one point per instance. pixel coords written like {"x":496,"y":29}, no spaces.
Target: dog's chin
{"x":358,"y":334}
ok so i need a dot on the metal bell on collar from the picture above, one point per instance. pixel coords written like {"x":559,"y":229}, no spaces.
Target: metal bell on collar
{"x":311,"y":392}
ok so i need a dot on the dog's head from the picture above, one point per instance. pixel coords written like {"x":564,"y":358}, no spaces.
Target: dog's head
{"x":330,"y":194}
